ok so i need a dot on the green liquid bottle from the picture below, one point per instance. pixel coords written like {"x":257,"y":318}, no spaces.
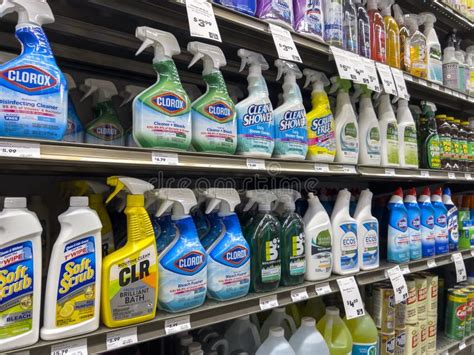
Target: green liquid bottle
{"x":429,"y":138}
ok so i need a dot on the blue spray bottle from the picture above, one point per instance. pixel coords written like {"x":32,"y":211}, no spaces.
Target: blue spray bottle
{"x":33,"y":90}
{"x":440,"y":223}
{"x":452,"y":217}
{"x":413,"y":224}
{"x":228,"y":267}
{"x":427,"y":224}
{"x":397,"y":234}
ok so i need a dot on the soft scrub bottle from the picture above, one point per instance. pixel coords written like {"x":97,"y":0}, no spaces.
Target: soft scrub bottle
{"x":414,"y":216}
{"x":392,"y":38}
{"x":367,"y":232}
{"x":427,"y":224}
{"x":407,"y":139}
{"x":397,"y":234}
{"x":377,"y":32}
{"x":440,"y":223}
{"x":452,"y":220}
{"x":388,"y":132}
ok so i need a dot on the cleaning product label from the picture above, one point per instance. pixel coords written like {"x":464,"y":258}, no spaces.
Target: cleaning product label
{"x":75,"y":302}
{"x":106,"y":128}
{"x":271,"y":265}
{"x":398,"y":239}
{"x":348,"y":242}
{"x":370,"y":242}
{"x":427,"y":231}
{"x":349,"y":140}
{"x":16,"y":289}
{"x":440,"y":229}
{"x":453,"y":233}
{"x":364,"y":349}
{"x":247,"y":6}
{"x":321,"y":135}
{"x":333,"y":22}
{"x":33,"y":90}
{"x":410,"y":145}
{"x":463,"y":150}
{"x":434,"y":160}
{"x":308,"y":17}
{"x":445,"y":146}
{"x":297,"y":258}
{"x":132,"y":287}
{"x":435,"y":65}
{"x":414,"y":232}
{"x":450,"y":75}
{"x":372,"y":141}
{"x":290,"y":132}
{"x":74,"y":131}
{"x":392,"y":143}
{"x":275,"y":9}
{"x":255,"y":128}
{"x":321,"y":252}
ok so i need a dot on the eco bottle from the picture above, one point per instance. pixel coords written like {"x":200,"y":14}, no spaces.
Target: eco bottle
{"x":105,"y":128}
{"x":349,"y":27}
{"x":444,"y":132}
{"x":319,"y":121}
{"x":33,"y":78}
{"x":74,"y":276}
{"x":377,"y":32}
{"x":397,"y":234}
{"x":428,"y":139}
{"x":403,"y":33}
{"x":413,"y":223}
{"x":454,"y":143}
{"x":162,"y":113}
{"x":450,"y":68}
{"x":416,"y":60}
{"x":214,"y":127}
{"x":452,"y":220}
{"x":182,"y":265}
{"x":467,"y":152}
{"x":333,"y":18}
{"x":75,"y":129}
{"x":243,"y":335}
{"x":440,"y":223}
{"x":20,"y":248}
{"x":307,"y":340}
{"x":392,"y":35}
{"x":433,"y":48}
{"x":291,"y":140}
{"x":275,"y":344}
{"x":318,"y":239}
{"x":278,"y":318}
{"x":363,"y":29}
{"x":364,"y":334}
{"x":389,"y":144}
{"x":407,"y":138}
{"x":132,"y":269}
{"x":427,"y":224}
{"x":292,"y":237}
{"x":367,"y":232}
{"x":335,"y":332}
{"x":344,"y":234}
{"x":309,"y":18}
{"x":255,"y":120}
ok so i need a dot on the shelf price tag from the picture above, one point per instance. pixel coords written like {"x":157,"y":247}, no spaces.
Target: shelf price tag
{"x":370,"y":72}
{"x":472,"y":252}
{"x":344,"y":64}
{"x":201,"y":19}
{"x":351,"y":297}
{"x":399,"y":284}
{"x":387,"y":79}
{"x":389,"y":172}
{"x":451,"y":175}
{"x":424,"y":173}
{"x":256,"y":164}
{"x":405,"y":269}
{"x":268,"y":302}
{"x":460,"y":267}
{"x":468,"y":176}
{"x":160,"y":158}
{"x":75,"y":347}
{"x":321,"y":167}
{"x":177,"y":325}
{"x":349,"y":169}
{"x":284,"y":44}
{"x":400,"y":83}
{"x":121,"y":338}
{"x":299,"y":295}
{"x":431,"y":263}
{"x":19,"y":150}
{"x":462,"y":345}
{"x":323,"y":289}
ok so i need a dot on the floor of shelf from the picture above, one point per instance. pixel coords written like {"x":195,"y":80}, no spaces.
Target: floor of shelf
{"x":447,"y":346}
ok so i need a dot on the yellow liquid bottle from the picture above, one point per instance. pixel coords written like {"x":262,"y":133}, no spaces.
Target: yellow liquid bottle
{"x":335,"y":332}
{"x":415,"y":48}
{"x":364,"y":334}
{"x":403,"y":34}
{"x":392,"y":37}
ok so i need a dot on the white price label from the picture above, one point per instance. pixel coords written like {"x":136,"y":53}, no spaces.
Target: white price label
{"x":387,"y":79}
{"x":75,"y":347}
{"x":435,"y":86}
{"x":400,"y":83}
{"x":323,"y":289}
{"x":321,"y":167}
{"x":268,"y":302}
{"x":451,"y":175}
{"x":351,"y":297}
{"x":389,"y":172}
{"x":299,"y":295}
{"x":460,"y":267}
{"x":177,"y":325}
{"x":370,"y":73}
{"x":201,"y":19}
{"x":349,"y":169}
{"x":431,"y":263}
{"x":19,"y":150}
{"x":424,"y":173}
{"x":256,"y":164}
{"x":344,"y":64}
{"x":405,"y":269}
{"x":399,"y":284}
{"x":164,"y":158}
{"x":462,"y":345}
{"x":468,"y":176}
{"x":284,"y":44}
{"x":472,"y":252}
{"x":121,"y":338}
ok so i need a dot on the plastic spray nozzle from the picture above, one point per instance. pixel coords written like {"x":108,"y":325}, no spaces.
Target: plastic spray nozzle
{"x":428,"y":106}
{"x":129,"y":93}
{"x":287,"y":197}
{"x":164,"y":43}
{"x":470,"y":50}
{"x":179,"y":200}
{"x":340,"y":84}
{"x":287,"y":68}
{"x":317,"y":78}
{"x":371,"y":4}
{"x":71,"y":83}
{"x":35,"y":12}
{"x":213,"y":58}
{"x":106,"y":89}
{"x":438,"y":191}
{"x":264,"y":198}
{"x":226,"y":198}
{"x":132,"y":185}
{"x":386,"y":6}
{"x":428,"y":19}
{"x":412,"y":21}
{"x":253,"y":59}
{"x":398,"y":15}
{"x":447,"y":191}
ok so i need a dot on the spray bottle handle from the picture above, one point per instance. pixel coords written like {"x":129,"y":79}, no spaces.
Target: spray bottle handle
{"x":119,"y":186}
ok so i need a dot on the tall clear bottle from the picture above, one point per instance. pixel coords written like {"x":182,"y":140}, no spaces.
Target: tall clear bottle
{"x":363,"y":29}
{"x":349,"y":27}
{"x":377,"y":32}
{"x":392,"y":45}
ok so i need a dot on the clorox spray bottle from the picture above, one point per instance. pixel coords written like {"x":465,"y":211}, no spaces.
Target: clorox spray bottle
{"x":427,"y":224}
{"x":367,"y":232}
{"x":397,"y":233}
{"x":440,"y":223}
{"x":255,"y":125}
{"x":33,"y":79}
{"x":130,"y":275}
{"x":162,"y":113}
{"x":291,"y":139}
{"x":214,"y":127}
{"x":183,"y":264}
{"x":75,"y":129}
{"x":320,"y":121}
{"x":228,"y":266}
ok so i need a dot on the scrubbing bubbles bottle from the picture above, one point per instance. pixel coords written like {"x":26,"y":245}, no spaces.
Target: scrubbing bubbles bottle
{"x":32,"y":80}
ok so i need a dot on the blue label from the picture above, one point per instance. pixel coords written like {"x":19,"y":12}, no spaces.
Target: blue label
{"x":220,"y":111}
{"x":291,"y":137}
{"x":191,"y":262}
{"x":364,"y":349}
{"x":427,"y":229}
{"x":414,"y":230}
{"x":349,"y":247}
{"x":397,"y":234}
{"x":29,"y":78}
{"x":248,"y":7}
{"x":258,"y":114}
{"x":370,"y":243}
{"x":440,"y":228}
{"x":170,"y":103}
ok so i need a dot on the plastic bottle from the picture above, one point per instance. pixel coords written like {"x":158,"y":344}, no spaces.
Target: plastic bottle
{"x":319,"y":121}
{"x":349,"y":27}
{"x":277,"y":12}
{"x":403,"y":34}
{"x":433,"y":48}
{"x":377,"y":32}
{"x":467,"y":154}
{"x":333,"y":22}
{"x":126,"y":111}
{"x":243,"y":335}
{"x":428,"y":139}
{"x":248,"y":7}
{"x":335,"y":332}
{"x":74,"y":276}
{"x":182,"y":265}
{"x":75,"y":129}
{"x":462,"y":68}
{"x":452,"y":220}
{"x":33,"y":78}
{"x":214,"y":127}
{"x":444,"y":132}
{"x":367,"y":232}
{"x":454,"y":143}
{"x":470,"y":63}
{"x":308,"y":18}
{"x":307,"y":340}
{"x":162,"y":113}
{"x":407,"y":138}
{"x":450,"y":68}
{"x":292,"y":237}
{"x":291,"y":140}
{"x":389,"y":144}
{"x":228,"y":266}
{"x":440,"y":223}
{"x":397,"y":234}
{"x":278,"y":318}
{"x":318,"y":239}
{"x":275,"y":344}
{"x":470,"y":144}
{"x":427,"y":224}
{"x":413,"y":220}
{"x":416,"y":57}
{"x":364,"y":334}
{"x":20,"y":247}
{"x":132,"y":268}
{"x":462,"y":147}
{"x":255,"y":122}
{"x":314,"y":308}
{"x":363,"y":29}
{"x":392,"y":35}
{"x":105,"y":128}
{"x":344,"y":234}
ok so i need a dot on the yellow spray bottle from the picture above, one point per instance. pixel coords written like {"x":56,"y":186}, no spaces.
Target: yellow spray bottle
{"x":129,"y":275}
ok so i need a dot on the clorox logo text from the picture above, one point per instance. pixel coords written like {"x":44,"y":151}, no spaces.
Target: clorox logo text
{"x":29,"y":78}
{"x":219,"y":111}
{"x":236,"y":255}
{"x":190,"y":262}
{"x":169,"y":102}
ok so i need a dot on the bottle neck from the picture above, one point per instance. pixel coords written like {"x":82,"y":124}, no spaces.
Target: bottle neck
{"x":186,"y":227}
{"x":166,"y":69}
{"x":104,"y":108}
{"x":215,"y":83}
{"x":138,"y":221}
{"x":291,"y":90}
{"x":33,"y":40}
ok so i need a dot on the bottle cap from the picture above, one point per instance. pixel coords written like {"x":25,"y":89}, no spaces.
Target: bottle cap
{"x":399,"y":192}
{"x":15,"y":202}
{"x":426,"y":191}
{"x":412,"y":192}
{"x":334,"y":311}
{"x":79,"y":201}
{"x":308,"y":321}
{"x":277,"y":332}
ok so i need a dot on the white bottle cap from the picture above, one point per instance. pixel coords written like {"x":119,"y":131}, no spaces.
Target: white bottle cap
{"x":15,"y":202}
{"x":79,"y":201}
{"x":308,"y":321}
{"x":277,"y":332}
{"x":332,"y":311}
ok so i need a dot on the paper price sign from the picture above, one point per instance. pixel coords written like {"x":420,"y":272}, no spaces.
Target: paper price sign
{"x":177,"y":325}
{"x":344,"y":64}
{"x":76,"y":347}
{"x":460,"y":267}
{"x":399,"y":284}
{"x":201,"y":19}
{"x":400,"y":83}
{"x":370,"y":73}
{"x":284,"y":44}
{"x":121,"y":338}
{"x":387,"y":79}
{"x":351,"y":297}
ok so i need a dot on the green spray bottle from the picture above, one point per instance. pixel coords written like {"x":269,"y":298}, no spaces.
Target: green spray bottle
{"x":162,"y":113}
{"x":428,"y":140}
{"x":263,"y":236}
{"x":292,"y":237}
{"x":213,"y":114}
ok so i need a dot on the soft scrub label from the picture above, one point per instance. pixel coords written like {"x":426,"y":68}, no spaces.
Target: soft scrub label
{"x":349,"y":140}
{"x":349,"y":246}
{"x":370,"y":243}
{"x":255,"y":128}
{"x":321,"y":135}
{"x":411,"y":145}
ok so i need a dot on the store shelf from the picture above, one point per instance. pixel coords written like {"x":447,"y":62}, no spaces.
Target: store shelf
{"x":448,"y":12}
{"x":213,"y":312}
{"x":446,"y":346}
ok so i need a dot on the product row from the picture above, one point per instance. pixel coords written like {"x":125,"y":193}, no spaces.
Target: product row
{"x":465,"y":8}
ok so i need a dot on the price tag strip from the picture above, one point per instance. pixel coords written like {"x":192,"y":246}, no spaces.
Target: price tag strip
{"x":387,"y":79}
{"x":389,"y":172}
{"x":75,"y":347}
{"x":400,"y":83}
{"x":177,"y":325}
{"x":323,"y":289}
{"x":19,"y":150}
{"x":201,"y":19}
{"x":405,"y":269}
{"x":299,"y":295}
{"x":349,"y":169}
{"x":399,"y":284}
{"x":351,"y":297}
{"x":164,"y":158}
{"x":256,"y":164}
{"x":121,"y":338}
{"x":344,"y":64}
{"x":284,"y":44}
{"x":268,"y":302}
{"x":460,"y":267}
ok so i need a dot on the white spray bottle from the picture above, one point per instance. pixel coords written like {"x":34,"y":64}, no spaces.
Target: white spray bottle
{"x":129,"y":93}
{"x":433,"y":48}
{"x":407,"y":139}
{"x":388,"y":132}
{"x":367,"y":232}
